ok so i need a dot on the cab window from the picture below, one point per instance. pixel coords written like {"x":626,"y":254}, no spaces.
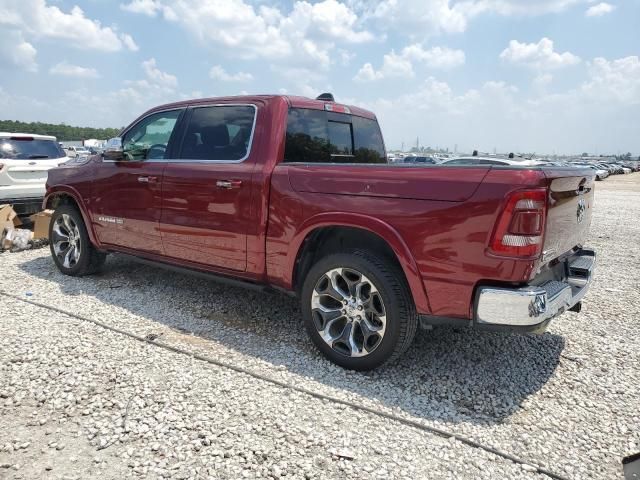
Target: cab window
{"x":220,"y":133}
{"x":148,"y":139}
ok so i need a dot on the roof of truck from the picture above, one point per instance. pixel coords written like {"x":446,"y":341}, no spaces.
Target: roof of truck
{"x":294,"y":101}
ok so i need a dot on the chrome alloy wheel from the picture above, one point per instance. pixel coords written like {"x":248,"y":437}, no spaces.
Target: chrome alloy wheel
{"x":348,"y":312}
{"x":67,"y":244}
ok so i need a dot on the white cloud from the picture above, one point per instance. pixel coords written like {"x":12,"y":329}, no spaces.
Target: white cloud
{"x":542,"y":81}
{"x":35,"y":19}
{"x":327,"y":19}
{"x":600,"y":9}
{"x":601,"y":113}
{"x":346,"y":57}
{"x":219,"y":73}
{"x":539,"y":55}
{"x":421,"y":17}
{"x":425,"y":18}
{"x":306,"y":35}
{"x":68,"y":70}
{"x":145,"y":7}
{"x":157,"y":76}
{"x":515,"y":7}
{"x":16,"y":52}
{"x":401,"y":65}
{"x":615,"y":80}
{"x":367,"y":74}
{"x":437,"y":57}
{"x":128,"y":42}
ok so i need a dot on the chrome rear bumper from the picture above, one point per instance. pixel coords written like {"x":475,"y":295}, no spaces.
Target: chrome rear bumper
{"x":532,"y":306}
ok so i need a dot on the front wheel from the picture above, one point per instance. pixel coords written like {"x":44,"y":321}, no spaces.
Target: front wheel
{"x":358,"y":310}
{"x":69,"y":242}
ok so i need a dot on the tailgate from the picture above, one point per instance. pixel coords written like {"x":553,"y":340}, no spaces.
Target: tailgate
{"x":570,"y":209}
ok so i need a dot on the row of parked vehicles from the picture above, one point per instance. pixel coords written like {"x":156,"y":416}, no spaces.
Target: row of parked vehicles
{"x":601,"y":169}
{"x":81,"y":151}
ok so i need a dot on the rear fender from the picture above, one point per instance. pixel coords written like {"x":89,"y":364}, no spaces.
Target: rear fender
{"x":370,"y":224}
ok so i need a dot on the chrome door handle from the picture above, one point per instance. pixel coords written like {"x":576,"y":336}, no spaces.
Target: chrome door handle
{"x":147,"y":179}
{"x":229,"y":184}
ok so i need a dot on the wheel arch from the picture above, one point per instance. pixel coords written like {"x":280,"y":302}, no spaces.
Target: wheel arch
{"x":66,"y":194}
{"x":333,"y":232}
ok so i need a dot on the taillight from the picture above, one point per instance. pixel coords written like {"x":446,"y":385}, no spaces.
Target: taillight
{"x":1,"y":166}
{"x":519,"y":231}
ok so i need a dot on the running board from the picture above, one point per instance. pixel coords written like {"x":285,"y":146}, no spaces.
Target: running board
{"x":232,"y":282}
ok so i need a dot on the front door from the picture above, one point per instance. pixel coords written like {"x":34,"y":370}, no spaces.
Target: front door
{"x":127,"y":194}
{"x":207,"y":190}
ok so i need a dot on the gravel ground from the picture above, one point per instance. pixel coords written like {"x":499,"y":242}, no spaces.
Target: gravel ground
{"x":81,"y":401}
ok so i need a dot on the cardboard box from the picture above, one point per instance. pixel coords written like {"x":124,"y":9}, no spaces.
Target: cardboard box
{"x":7,"y":214}
{"x":41,"y":221}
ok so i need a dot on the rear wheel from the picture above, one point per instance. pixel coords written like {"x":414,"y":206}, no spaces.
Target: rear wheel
{"x":69,"y":242}
{"x":358,"y":310}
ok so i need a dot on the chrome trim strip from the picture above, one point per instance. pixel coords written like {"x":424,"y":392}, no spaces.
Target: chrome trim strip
{"x":185,"y":160}
{"x":124,"y":132}
{"x":249,"y":146}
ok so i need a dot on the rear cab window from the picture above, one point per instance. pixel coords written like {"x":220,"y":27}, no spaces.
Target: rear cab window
{"x":318,"y":136}
{"x":29,"y":148}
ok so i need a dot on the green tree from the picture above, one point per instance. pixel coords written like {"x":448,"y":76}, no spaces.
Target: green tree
{"x":62,"y":132}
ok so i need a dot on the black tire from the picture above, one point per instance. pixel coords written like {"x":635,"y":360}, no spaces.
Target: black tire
{"x":89,"y":259}
{"x":389,"y":280}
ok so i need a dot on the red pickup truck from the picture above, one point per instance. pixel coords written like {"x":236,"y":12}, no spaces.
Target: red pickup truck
{"x":296,"y":194}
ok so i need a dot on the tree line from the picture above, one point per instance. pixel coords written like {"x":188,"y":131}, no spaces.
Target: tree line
{"x":61,"y":131}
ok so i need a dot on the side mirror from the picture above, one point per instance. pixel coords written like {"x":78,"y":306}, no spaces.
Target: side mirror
{"x":114,"y":150}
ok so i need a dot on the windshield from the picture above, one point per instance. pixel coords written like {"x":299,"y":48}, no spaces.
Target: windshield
{"x":28,"y":148}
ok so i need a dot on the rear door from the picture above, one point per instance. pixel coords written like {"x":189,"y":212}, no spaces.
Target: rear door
{"x":127,"y":195}
{"x":207,"y":189}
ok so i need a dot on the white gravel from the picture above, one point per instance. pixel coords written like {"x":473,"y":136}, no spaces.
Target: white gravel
{"x":568,"y":400}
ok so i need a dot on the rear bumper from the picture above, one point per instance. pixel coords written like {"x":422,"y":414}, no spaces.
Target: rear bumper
{"x":531,"y":308}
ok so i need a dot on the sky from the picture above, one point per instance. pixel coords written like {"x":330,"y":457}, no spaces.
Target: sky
{"x":543,"y":76}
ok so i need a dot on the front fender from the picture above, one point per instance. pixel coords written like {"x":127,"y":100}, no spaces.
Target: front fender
{"x":375,"y":226}
{"x":66,"y":190}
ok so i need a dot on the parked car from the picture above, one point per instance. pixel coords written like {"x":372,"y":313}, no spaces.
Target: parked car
{"x":25,"y":160}
{"x":77,"y":152}
{"x":600,"y":172}
{"x":296,"y":195}
{"x":617,"y":169}
{"x":497,"y":161}
{"x":419,"y":159}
